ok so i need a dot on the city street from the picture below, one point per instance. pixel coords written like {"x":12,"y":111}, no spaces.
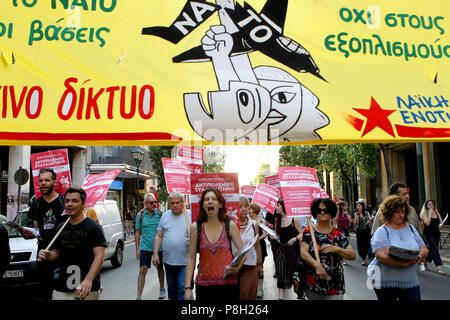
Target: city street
{"x":121,"y":283}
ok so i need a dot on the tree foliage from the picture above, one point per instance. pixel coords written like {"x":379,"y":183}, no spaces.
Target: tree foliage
{"x":155,"y":154}
{"x":342,"y":159}
{"x":264,"y":170}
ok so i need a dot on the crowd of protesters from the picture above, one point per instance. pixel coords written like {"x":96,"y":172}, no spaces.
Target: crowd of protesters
{"x":310,"y":258}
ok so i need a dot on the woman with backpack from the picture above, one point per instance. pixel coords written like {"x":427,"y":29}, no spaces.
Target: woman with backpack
{"x":211,"y":236}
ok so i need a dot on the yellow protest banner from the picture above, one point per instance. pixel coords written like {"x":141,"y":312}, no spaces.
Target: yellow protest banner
{"x":197,"y":71}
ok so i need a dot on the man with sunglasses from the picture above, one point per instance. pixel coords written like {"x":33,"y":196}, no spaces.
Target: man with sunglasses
{"x":147,"y":222}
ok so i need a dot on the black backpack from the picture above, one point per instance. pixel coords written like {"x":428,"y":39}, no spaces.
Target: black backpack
{"x":227,"y":229}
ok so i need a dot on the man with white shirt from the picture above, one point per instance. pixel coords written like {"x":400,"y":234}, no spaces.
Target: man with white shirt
{"x":173,"y":234}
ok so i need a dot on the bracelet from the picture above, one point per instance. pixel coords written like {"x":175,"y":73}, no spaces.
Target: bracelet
{"x":187,"y":288}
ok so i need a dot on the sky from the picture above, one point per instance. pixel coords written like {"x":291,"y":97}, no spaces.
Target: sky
{"x":246,"y":160}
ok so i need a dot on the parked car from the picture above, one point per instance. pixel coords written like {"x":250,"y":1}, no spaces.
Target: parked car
{"x":110,"y":219}
{"x":20,"y":278}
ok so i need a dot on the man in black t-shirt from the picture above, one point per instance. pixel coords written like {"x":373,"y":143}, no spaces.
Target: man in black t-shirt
{"x":46,"y":212}
{"x":79,"y":251}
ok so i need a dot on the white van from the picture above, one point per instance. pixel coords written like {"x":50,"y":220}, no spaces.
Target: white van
{"x":110,"y":219}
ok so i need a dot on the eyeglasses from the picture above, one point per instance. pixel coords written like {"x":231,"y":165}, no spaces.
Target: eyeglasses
{"x":321,"y":210}
{"x":150,"y":202}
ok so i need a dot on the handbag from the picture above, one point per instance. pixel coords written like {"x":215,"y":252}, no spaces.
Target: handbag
{"x":299,"y":278}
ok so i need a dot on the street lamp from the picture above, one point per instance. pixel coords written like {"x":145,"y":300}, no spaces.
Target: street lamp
{"x":138,"y":156}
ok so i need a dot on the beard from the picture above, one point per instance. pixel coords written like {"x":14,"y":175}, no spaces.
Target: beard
{"x":48,"y":191}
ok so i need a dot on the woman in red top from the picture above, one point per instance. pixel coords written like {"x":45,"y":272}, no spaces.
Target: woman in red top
{"x":215,"y":279}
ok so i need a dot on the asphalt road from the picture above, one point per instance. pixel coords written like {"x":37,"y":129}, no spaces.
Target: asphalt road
{"x":121,"y":283}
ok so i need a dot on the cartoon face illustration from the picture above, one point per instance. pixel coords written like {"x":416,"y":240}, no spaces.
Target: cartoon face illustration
{"x":258,"y":104}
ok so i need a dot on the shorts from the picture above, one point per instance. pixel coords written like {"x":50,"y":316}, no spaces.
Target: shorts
{"x":147,"y":257}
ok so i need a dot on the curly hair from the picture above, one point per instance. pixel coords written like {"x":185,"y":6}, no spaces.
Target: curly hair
{"x":329,"y":204}
{"x":203,"y":216}
{"x":390,"y":206}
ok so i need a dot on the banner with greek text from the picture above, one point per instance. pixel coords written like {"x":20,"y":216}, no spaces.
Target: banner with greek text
{"x":248,"y":191}
{"x":97,"y":185}
{"x":193,"y":156}
{"x":177,"y":175}
{"x":108,"y":72}
{"x":299,"y":186}
{"x":227,"y":183}
{"x":58,"y":160}
{"x":266,"y":196}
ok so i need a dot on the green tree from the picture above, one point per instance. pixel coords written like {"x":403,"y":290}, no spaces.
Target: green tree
{"x":343,"y":159}
{"x":155,"y":154}
{"x":264,"y":170}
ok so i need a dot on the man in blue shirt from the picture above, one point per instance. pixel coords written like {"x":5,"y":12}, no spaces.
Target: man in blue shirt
{"x":147,"y":222}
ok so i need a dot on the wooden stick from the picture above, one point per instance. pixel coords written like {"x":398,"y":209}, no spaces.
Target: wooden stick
{"x":313,"y":237}
{"x":57,"y":235}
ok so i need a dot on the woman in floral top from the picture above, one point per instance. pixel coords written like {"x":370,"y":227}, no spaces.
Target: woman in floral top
{"x":325,"y":280}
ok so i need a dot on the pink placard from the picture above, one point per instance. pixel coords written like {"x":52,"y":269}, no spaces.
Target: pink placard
{"x":248,"y":191}
{"x":227,"y":183}
{"x":299,"y":186}
{"x":58,"y":160}
{"x":97,"y":185}
{"x":177,"y":175}
{"x":190,"y":154}
{"x":273,"y":180}
{"x":266,"y":196}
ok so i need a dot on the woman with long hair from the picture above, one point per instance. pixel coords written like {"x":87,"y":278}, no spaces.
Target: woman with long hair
{"x":255,"y":215}
{"x":431,"y":219}
{"x":363,"y":221}
{"x":290,"y":230}
{"x":342,"y":220}
{"x":215,"y":279}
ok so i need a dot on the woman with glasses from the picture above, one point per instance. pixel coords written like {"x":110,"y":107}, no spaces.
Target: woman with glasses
{"x":325,"y":280}
{"x":290,"y":230}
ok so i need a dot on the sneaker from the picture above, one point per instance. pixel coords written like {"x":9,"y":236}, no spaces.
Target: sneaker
{"x":162,"y":294}
{"x":260,"y":294}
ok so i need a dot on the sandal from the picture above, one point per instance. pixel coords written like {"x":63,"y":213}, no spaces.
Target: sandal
{"x":364,"y":263}
{"x":441,"y":272}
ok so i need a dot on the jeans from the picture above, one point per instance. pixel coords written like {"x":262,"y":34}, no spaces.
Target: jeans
{"x":392,"y":294}
{"x":176,"y":279}
{"x":433,"y":254}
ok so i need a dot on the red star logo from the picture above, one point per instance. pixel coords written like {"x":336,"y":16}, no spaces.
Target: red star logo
{"x":376,"y":117}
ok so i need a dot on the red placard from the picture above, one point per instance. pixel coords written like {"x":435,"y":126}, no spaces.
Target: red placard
{"x":176,"y":173}
{"x":273,"y":180}
{"x":267,"y":197}
{"x":97,"y":185}
{"x":227,"y":183}
{"x":248,"y":191}
{"x":58,"y":160}
{"x":299,"y":186}
{"x":190,"y":154}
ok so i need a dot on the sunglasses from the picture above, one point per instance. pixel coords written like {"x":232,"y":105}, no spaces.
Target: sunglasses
{"x":322,"y":211}
{"x":151,"y":202}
